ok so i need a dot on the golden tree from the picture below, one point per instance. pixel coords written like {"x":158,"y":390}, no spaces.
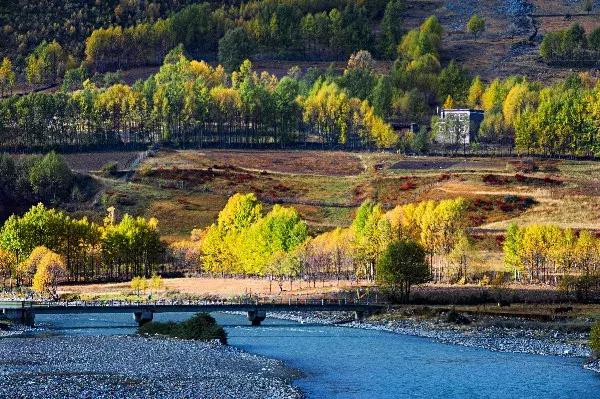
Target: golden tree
{"x":50,"y":271}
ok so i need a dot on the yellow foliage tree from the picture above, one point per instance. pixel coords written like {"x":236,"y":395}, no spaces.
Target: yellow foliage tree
{"x":7,"y":266}
{"x":156,"y":282}
{"x":26,"y":269}
{"x":475,"y":93}
{"x":139,"y":285}
{"x":50,"y":271}
{"x":449,"y":103}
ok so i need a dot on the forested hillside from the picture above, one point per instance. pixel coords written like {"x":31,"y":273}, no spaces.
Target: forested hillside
{"x":297,"y":30}
{"x":27,"y":23}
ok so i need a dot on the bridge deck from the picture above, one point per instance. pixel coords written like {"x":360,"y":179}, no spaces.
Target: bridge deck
{"x":191,"y":307}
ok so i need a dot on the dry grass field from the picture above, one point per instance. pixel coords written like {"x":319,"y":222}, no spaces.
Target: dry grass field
{"x":186,"y":189}
{"x":219,"y":287}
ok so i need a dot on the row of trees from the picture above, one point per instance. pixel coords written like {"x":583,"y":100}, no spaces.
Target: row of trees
{"x":561,"y":119}
{"x":28,"y":180}
{"x":190,"y":102}
{"x":245,"y":242}
{"x":289,"y":29}
{"x":571,"y":46}
{"x":546,"y":253}
{"x":114,"y":250}
{"x":25,"y":24}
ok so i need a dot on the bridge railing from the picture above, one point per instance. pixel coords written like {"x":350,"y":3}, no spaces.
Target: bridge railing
{"x":289,"y":301}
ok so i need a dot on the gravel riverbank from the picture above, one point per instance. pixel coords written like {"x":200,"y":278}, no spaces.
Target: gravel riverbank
{"x":136,"y":367}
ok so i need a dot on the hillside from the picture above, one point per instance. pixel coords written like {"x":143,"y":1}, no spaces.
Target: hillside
{"x":186,"y":189}
{"x":514,"y":30}
{"x":509,"y":45}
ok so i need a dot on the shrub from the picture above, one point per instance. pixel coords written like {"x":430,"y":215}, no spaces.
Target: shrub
{"x":457,"y":318}
{"x":201,"y":326}
{"x":109,"y":168}
{"x":144,"y":170}
{"x":520,"y":178}
{"x":498,"y":280}
{"x":595,"y":338}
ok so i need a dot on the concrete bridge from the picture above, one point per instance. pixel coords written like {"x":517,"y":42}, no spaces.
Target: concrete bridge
{"x":143,"y":311}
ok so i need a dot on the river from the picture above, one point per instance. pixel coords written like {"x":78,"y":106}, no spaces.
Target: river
{"x":340,"y":362}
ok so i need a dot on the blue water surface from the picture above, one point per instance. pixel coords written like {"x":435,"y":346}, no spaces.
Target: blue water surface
{"x":340,"y":362}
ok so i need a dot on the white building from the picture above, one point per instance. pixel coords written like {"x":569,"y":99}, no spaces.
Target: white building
{"x":458,"y":126}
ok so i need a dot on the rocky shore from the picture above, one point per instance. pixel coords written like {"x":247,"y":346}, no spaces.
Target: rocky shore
{"x":136,"y":367}
{"x":593,"y":365}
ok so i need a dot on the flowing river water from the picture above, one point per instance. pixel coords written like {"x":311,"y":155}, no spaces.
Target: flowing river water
{"x":340,"y":362}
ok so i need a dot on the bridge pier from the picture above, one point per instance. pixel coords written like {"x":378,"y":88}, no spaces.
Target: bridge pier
{"x":22,"y":316}
{"x":256,"y":316}
{"x":359,"y":315}
{"x":143,"y":316}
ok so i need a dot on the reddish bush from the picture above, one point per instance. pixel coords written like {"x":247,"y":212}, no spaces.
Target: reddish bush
{"x":280,"y":187}
{"x":494,"y":180}
{"x":407,"y":185}
{"x":520,"y":178}
{"x":552,"y":181}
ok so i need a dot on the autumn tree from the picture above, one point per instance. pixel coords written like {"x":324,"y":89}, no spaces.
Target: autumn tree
{"x":7,"y":266}
{"x":219,"y":247}
{"x":7,"y":76}
{"x":50,"y":271}
{"x":47,"y":63}
{"x":26,"y":269}
{"x":139,"y":285}
{"x":475,"y":94}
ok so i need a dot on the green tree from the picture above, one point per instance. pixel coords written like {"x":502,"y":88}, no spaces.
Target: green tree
{"x":234,"y":48}
{"x":403,"y":265}
{"x":74,"y":79}
{"x":51,"y":178}
{"x":193,"y":27}
{"x":8,"y":177}
{"x":391,"y":27}
{"x":476,"y":24}
{"x":453,"y":81}
{"x":382,"y":96}
{"x":511,"y":248}
{"x":594,"y":40}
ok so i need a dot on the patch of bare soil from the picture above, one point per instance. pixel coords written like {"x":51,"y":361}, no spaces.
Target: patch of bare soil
{"x":92,"y":161}
{"x":327,"y":163}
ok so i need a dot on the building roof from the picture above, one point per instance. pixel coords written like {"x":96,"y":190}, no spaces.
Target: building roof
{"x":461,"y":110}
